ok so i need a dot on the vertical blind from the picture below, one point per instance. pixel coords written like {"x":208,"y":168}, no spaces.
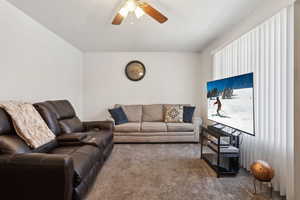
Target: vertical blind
{"x":267,"y":51}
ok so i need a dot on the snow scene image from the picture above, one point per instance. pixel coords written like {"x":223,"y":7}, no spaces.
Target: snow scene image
{"x":230,"y":102}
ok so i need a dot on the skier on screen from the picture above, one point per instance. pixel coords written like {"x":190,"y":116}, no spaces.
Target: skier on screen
{"x":219,"y":106}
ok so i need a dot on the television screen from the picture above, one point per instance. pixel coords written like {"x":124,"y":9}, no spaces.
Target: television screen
{"x":230,"y":102}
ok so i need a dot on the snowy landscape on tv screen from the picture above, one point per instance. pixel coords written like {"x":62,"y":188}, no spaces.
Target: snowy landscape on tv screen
{"x":230,"y":102}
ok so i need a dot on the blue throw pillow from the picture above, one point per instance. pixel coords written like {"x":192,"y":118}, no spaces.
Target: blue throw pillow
{"x":188,"y":113}
{"x":118,"y":115}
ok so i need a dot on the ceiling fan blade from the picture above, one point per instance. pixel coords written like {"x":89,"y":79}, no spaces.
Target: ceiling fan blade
{"x":118,"y":19}
{"x":155,"y":14}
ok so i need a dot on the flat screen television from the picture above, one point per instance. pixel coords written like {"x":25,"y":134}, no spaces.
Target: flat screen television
{"x":231,"y":102}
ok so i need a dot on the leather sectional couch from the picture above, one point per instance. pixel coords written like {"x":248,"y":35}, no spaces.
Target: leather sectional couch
{"x":60,"y":170}
{"x":147,"y":125}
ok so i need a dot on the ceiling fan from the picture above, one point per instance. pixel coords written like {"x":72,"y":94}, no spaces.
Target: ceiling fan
{"x":139,"y":8}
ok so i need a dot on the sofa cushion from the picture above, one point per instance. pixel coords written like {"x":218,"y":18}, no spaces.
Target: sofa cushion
{"x":84,"y":158}
{"x":154,"y":127}
{"x":12,"y":144}
{"x":153,"y":113}
{"x":46,"y":148}
{"x":188,"y":113}
{"x":173,"y":113}
{"x":128,"y":127}
{"x":118,"y":115}
{"x":63,"y":109}
{"x":149,"y":134}
{"x":6,"y":126}
{"x":140,"y":134}
{"x":133,"y":112}
{"x":46,"y":111}
{"x":71,"y":125}
{"x":180,"y":127}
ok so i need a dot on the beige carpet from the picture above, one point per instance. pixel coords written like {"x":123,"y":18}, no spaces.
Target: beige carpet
{"x":167,"y":172}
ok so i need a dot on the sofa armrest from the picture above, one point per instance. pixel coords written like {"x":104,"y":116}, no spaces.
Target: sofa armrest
{"x":36,"y":176}
{"x":107,"y":125}
{"x":71,"y":139}
{"x":197,"y":121}
{"x":110,"y":119}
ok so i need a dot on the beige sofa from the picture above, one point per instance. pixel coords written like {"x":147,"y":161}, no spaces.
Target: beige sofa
{"x":146,"y":124}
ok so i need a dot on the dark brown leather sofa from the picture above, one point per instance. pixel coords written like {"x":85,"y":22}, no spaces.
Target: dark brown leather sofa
{"x":60,"y":170}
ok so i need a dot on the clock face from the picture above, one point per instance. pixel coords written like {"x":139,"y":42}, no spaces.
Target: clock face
{"x":135,"y":70}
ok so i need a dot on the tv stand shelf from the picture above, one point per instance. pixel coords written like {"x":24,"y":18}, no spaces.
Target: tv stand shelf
{"x":220,"y":150}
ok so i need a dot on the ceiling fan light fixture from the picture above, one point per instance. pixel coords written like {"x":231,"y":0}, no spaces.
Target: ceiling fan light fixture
{"x":131,"y":5}
{"x":139,"y":8}
{"x":124,"y":12}
{"x":139,"y":12}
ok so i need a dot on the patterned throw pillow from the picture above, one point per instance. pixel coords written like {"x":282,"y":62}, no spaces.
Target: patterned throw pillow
{"x":174,"y":113}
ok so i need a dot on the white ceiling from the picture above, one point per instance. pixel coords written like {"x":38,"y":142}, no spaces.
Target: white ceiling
{"x":87,"y":23}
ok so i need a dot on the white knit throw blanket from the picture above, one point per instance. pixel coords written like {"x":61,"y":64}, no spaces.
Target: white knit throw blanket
{"x":28,"y":123}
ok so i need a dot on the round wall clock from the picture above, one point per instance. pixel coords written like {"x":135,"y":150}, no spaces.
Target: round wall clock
{"x":135,"y":70}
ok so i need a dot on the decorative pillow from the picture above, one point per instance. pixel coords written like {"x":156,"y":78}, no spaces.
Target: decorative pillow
{"x":72,"y":125}
{"x":188,"y":113}
{"x":118,"y":115}
{"x":174,"y":113}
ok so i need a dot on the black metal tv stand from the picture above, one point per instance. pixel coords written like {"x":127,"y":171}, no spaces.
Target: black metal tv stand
{"x":220,"y":149}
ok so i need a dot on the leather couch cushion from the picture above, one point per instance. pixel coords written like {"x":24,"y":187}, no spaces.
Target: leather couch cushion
{"x":63,"y":109}
{"x":133,"y":112}
{"x":48,"y":116}
{"x":180,"y":127}
{"x":71,"y":125}
{"x":84,"y":158}
{"x":153,"y":113}
{"x":154,"y":127}
{"x":12,"y":144}
{"x":128,"y":127}
{"x":46,"y":148}
{"x":6,"y":126}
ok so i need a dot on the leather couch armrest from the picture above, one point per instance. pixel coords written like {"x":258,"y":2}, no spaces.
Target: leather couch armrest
{"x":71,"y":137}
{"x":92,"y":125}
{"x":36,"y":176}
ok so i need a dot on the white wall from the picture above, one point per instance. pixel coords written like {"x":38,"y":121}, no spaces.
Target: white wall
{"x":170,"y":78}
{"x":267,"y":9}
{"x":35,"y":64}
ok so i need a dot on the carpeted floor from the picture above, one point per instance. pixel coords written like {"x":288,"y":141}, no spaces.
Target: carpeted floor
{"x":167,"y":172}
